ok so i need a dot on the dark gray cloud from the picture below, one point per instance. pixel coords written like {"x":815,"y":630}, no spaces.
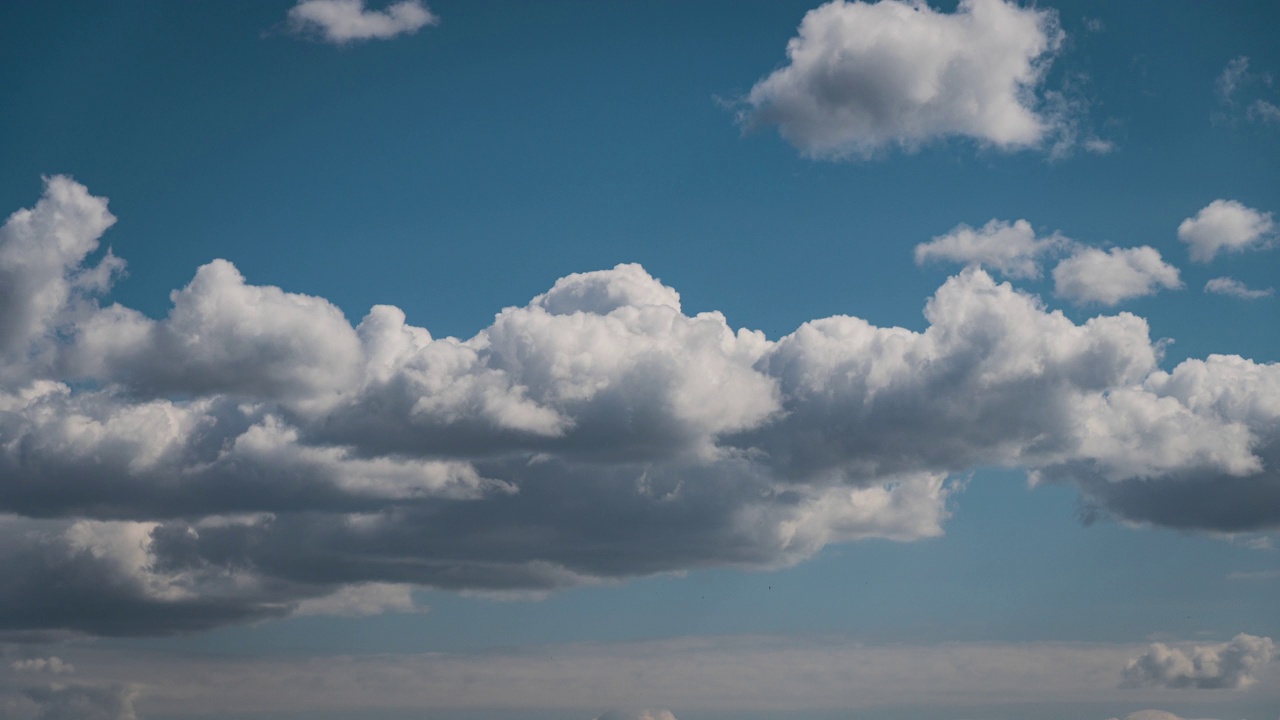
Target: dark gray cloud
{"x":252,"y":453}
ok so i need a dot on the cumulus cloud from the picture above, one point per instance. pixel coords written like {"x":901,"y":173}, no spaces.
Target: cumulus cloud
{"x":1235,"y":288}
{"x":1012,"y":249}
{"x":1225,"y":226}
{"x":252,"y":454}
{"x":1232,"y":665}
{"x":1113,"y":276}
{"x":861,"y":77}
{"x":345,"y":21}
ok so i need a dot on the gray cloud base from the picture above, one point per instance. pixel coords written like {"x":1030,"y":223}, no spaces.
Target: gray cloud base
{"x":252,"y":453}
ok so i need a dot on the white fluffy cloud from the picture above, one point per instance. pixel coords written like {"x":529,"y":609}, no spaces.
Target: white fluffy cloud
{"x":1012,"y":249}
{"x":861,"y":77}
{"x":1235,"y":288}
{"x":1230,"y":665}
{"x":1110,"y":277}
{"x":252,"y":454}
{"x":1225,"y":226}
{"x":344,"y":21}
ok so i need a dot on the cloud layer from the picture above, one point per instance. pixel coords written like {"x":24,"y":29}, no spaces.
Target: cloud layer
{"x":253,"y":454}
{"x":861,"y":77}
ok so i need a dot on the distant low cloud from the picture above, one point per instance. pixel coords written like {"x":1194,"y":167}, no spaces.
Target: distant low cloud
{"x":346,"y":21}
{"x":1112,"y":276}
{"x":1235,"y":288}
{"x":637,"y":715}
{"x":51,"y":665}
{"x":864,"y":77}
{"x":253,"y":454}
{"x":1226,"y":226}
{"x":1230,"y":665}
{"x":1150,"y":715}
{"x":363,"y":600}
{"x":82,"y":701}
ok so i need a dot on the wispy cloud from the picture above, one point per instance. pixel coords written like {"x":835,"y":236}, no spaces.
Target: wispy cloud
{"x":1235,"y":288}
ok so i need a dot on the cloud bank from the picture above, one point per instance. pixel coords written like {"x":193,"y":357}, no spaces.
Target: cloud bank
{"x":1232,"y":665}
{"x":253,"y":454}
{"x":862,"y":77}
{"x":345,"y":21}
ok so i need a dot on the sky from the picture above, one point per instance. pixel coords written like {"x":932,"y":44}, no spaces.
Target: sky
{"x":639,"y":361}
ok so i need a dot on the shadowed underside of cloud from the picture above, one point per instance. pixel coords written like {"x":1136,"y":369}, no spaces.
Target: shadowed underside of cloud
{"x":253,"y":454}
{"x":863,"y":77}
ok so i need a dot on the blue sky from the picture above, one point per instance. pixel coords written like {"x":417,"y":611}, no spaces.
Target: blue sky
{"x":630,"y":428}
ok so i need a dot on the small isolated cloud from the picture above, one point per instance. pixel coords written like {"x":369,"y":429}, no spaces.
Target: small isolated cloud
{"x":1109,"y":277}
{"x":344,"y":21}
{"x":1235,"y":288}
{"x":862,"y":77}
{"x":52,"y":665}
{"x":1012,"y":249}
{"x":1232,"y":665}
{"x":1094,"y":25}
{"x":1226,"y":226}
{"x":363,"y":600}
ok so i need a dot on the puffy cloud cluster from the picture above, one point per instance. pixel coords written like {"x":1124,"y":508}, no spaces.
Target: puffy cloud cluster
{"x":1230,"y":665}
{"x":1087,"y":275}
{"x":253,"y":454}
{"x":861,"y":77}
{"x":1225,"y":226}
{"x":345,"y":21}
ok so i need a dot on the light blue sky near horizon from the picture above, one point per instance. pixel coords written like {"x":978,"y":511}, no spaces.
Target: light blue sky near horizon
{"x":464,"y":168}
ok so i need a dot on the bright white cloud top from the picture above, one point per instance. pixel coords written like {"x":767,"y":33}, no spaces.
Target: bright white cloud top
{"x":1226,"y":226}
{"x":1113,"y":276}
{"x":861,"y":77}
{"x":252,"y":451}
{"x":345,"y":21}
